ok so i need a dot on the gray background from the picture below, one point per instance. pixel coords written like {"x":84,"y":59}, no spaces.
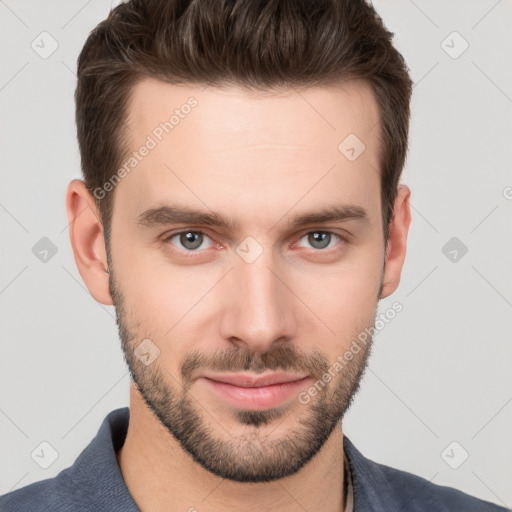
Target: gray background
{"x":440,"y":370}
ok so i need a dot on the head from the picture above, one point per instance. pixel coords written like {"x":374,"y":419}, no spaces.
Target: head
{"x":241,"y":169}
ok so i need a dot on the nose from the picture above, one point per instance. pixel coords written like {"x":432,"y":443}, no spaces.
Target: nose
{"x":260,"y":308}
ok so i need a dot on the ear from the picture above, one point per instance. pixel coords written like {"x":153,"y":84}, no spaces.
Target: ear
{"x":87,"y":241}
{"x":397,"y":241}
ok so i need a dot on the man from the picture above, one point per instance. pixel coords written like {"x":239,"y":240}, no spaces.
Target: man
{"x":241,"y":209}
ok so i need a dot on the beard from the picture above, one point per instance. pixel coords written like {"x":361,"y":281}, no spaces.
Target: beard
{"x":251,"y":456}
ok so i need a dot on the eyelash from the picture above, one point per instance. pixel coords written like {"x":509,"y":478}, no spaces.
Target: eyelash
{"x":191,"y":253}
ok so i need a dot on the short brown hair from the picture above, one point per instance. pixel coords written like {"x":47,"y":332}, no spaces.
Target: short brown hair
{"x":262,"y":44}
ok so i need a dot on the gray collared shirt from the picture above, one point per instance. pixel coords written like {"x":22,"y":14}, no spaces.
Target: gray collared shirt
{"x":94,"y":483}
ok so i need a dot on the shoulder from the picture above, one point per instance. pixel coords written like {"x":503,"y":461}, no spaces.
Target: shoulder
{"x":380,"y":487}
{"x":92,"y":483}
{"x":57,"y":494}
{"x":417,"y":493}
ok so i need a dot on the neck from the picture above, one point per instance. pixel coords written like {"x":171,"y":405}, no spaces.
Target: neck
{"x":160,"y":474}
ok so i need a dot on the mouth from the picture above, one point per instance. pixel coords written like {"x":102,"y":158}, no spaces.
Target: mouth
{"x":256,"y":392}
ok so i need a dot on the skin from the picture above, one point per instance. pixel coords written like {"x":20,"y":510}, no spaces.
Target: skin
{"x":259,"y":159}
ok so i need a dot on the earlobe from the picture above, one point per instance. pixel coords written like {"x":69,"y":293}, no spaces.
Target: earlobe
{"x":397,"y":242}
{"x":87,"y":240}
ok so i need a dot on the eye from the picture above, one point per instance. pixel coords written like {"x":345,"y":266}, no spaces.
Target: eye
{"x":321,"y":239}
{"x":189,"y":240}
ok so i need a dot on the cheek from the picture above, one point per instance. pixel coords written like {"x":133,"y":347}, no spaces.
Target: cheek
{"x":169,"y":304}
{"x":162,"y":304}
{"x":152,"y":300}
{"x":345,"y":298}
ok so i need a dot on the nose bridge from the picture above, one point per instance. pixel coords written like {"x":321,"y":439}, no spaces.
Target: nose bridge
{"x":259,"y":311}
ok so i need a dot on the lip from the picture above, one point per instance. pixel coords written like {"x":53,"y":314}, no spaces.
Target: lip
{"x":257,"y":392}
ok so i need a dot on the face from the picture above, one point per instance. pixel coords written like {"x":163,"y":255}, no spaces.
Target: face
{"x":246,"y":243}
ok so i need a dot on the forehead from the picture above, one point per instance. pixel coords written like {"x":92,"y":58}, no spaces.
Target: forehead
{"x":258,"y":116}
{"x":207,"y":141}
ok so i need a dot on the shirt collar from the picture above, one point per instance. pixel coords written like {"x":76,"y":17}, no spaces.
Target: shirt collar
{"x":96,"y":473}
{"x":372,"y":489}
{"x":347,"y":482}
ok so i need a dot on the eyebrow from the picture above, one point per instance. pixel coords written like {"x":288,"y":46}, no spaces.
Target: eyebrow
{"x":169,"y":214}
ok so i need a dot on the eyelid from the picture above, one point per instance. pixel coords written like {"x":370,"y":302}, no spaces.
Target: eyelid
{"x":332,"y":231}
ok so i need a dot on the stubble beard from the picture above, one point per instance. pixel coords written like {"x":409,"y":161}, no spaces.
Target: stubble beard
{"x":252,"y":456}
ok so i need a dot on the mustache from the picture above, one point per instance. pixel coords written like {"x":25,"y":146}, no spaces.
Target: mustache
{"x":285,"y":358}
